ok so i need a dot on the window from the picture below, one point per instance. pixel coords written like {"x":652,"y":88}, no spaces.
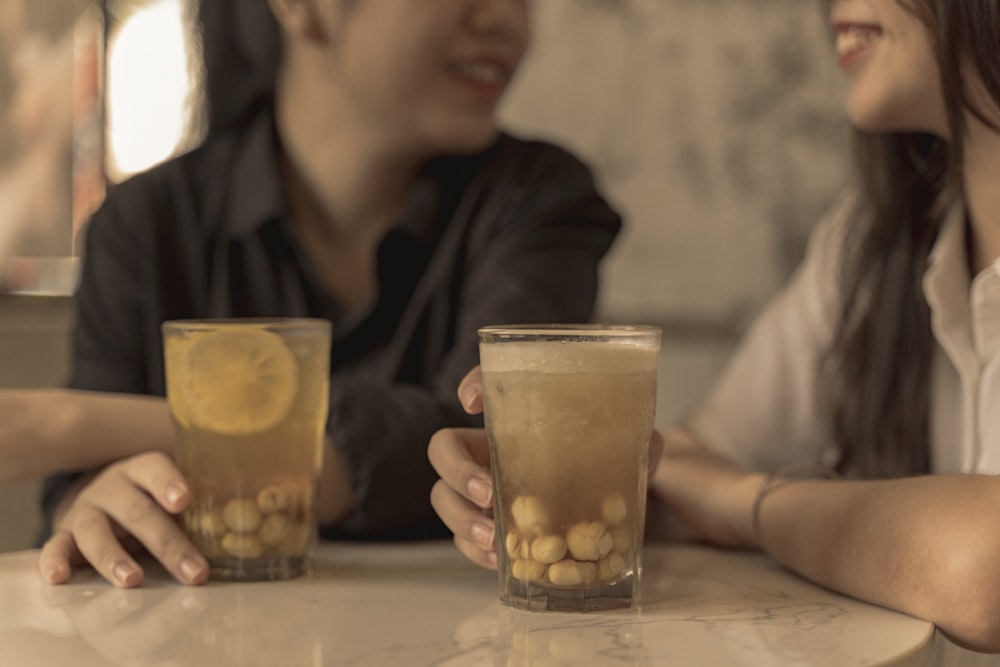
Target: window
{"x":91,"y":92}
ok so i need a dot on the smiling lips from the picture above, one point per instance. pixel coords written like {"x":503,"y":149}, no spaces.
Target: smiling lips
{"x":486,"y":78}
{"x":484,"y":72}
{"x":853,"y":39}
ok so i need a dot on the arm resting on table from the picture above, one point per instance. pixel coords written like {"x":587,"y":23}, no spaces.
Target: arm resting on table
{"x":927,"y":546}
{"x":48,"y":431}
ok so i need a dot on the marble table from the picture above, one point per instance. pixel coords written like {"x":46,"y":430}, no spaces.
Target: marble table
{"x":422,"y":604}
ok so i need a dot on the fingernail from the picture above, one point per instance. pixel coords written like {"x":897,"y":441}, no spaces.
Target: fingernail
{"x":482,"y":534}
{"x":173,"y":493}
{"x":191,"y":569}
{"x":467,"y":396}
{"x":481,"y":492}
{"x":124,"y":572}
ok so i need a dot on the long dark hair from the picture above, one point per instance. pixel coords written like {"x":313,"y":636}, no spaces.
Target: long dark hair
{"x":879,"y":366}
{"x":241,"y":51}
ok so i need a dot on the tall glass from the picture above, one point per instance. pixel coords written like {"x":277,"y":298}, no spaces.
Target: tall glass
{"x":249,"y":400}
{"x":569,"y":411}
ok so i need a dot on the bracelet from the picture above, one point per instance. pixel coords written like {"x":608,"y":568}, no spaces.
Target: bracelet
{"x":774,"y":478}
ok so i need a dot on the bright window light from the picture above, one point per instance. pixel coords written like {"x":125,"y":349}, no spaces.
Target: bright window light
{"x":148,"y":88}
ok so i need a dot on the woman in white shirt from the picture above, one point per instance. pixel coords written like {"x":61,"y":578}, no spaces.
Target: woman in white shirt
{"x":877,"y":364}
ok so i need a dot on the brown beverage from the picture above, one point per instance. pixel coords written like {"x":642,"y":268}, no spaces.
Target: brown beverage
{"x":569,"y":412}
{"x":249,"y":399}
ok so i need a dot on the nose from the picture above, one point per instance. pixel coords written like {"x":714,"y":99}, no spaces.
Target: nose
{"x":503,"y":19}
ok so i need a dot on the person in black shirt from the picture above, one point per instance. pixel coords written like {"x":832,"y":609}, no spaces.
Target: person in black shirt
{"x":363,"y":181}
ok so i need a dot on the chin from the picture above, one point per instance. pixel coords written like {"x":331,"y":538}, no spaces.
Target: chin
{"x":879,"y":115}
{"x":465,"y":138}
{"x":876,"y":124}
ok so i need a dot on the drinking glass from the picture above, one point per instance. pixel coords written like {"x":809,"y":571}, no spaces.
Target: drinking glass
{"x":249,"y":400}
{"x":569,"y":410}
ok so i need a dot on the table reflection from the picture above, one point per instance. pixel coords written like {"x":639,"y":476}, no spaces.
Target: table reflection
{"x":535,"y":639}
{"x":220,"y":624}
{"x":505,"y":637}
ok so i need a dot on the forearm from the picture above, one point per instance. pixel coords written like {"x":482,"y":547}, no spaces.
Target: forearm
{"x":928,"y":546}
{"x":55,"y":430}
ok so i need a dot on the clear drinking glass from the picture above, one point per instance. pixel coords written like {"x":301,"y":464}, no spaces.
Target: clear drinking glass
{"x":569,"y":410}
{"x":249,"y":400}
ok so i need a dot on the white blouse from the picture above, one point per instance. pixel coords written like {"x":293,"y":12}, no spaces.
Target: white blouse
{"x":763,"y":412}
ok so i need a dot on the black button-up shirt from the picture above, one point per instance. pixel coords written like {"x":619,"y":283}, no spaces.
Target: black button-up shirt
{"x":512,"y":235}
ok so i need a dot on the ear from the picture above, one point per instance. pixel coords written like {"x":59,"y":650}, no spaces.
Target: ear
{"x":299,"y":18}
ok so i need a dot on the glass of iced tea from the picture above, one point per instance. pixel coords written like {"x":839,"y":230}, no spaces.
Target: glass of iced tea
{"x":569,"y":410}
{"x":249,"y":400}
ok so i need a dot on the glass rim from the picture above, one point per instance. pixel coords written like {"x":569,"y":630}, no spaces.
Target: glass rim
{"x":205,"y":324}
{"x":582,"y":330}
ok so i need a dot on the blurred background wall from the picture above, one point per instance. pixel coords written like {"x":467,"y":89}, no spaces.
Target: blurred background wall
{"x":715,"y":126}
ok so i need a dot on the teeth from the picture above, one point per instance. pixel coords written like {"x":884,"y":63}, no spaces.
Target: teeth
{"x":483,"y":73}
{"x":856,"y":38}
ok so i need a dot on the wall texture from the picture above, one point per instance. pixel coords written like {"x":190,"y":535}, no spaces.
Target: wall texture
{"x":715,"y":125}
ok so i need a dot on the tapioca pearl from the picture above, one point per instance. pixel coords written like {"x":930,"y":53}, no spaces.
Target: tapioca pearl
{"x":273,"y":499}
{"x":242,"y":515}
{"x":531,"y":515}
{"x":273,"y":529}
{"x":205,"y":523}
{"x":512,"y":543}
{"x":589,"y":540}
{"x":614,"y":510}
{"x":611,"y":566}
{"x":242,"y":545}
{"x":566,"y":573}
{"x":211,"y":547}
{"x":525,"y":548}
{"x":211,"y":523}
{"x":548,"y":548}
{"x":621,"y":539}
{"x":528,"y":570}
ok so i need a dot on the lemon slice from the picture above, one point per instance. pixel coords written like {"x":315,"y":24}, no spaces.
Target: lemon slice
{"x":239,"y":382}
{"x":175,"y":352}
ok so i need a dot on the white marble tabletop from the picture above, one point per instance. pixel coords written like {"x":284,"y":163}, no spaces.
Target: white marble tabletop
{"x":423,"y":604}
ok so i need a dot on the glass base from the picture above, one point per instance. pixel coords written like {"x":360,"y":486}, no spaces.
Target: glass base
{"x":259,"y":569}
{"x":535,"y":597}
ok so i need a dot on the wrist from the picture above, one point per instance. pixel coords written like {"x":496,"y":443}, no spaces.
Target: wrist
{"x":774,"y":481}
{"x":745,"y":494}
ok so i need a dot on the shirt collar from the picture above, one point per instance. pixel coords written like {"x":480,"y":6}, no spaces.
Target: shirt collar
{"x":946,"y":289}
{"x":442,"y":182}
{"x":948,"y":260}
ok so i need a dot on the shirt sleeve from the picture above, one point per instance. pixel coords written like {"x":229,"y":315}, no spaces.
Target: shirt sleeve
{"x":765,"y":410}
{"x":531,"y":254}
